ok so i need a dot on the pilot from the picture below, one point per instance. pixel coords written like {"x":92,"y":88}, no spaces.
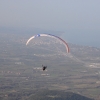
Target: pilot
{"x":44,"y":67}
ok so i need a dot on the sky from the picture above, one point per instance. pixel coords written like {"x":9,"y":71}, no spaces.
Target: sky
{"x":76,"y":21}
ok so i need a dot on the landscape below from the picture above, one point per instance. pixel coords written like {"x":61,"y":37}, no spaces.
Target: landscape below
{"x":69,"y":75}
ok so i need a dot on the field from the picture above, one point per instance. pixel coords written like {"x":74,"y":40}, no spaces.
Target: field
{"x":21,"y":70}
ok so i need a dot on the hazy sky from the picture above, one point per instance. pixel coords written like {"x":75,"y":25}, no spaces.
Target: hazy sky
{"x":77,"y":20}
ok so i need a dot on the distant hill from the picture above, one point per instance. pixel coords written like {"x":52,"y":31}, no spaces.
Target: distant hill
{"x":56,"y":95}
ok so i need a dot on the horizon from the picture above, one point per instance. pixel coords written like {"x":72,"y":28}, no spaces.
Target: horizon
{"x":75,"y":21}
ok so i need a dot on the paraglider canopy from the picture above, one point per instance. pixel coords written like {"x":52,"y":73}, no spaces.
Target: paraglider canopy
{"x":49,"y":35}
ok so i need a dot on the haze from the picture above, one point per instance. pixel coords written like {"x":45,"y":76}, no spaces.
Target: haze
{"x":77,"y":21}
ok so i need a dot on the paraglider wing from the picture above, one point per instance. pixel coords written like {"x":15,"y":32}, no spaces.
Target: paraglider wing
{"x":29,"y":40}
{"x":32,"y":38}
{"x":49,"y":35}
